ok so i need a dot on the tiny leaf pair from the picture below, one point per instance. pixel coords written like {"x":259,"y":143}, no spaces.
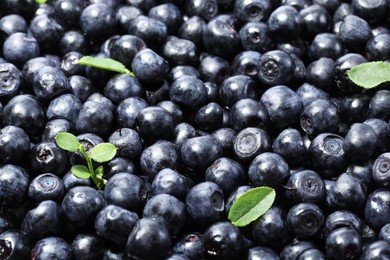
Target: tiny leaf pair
{"x":251,"y":205}
{"x":103,"y":152}
{"x":370,"y":74}
{"x":105,"y":63}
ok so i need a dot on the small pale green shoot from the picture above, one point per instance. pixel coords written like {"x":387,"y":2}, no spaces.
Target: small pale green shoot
{"x":370,"y":74}
{"x":103,"y":152}
{"x":106,"y":64}
{"x":40,"y":1}
{"x":251,"y":205}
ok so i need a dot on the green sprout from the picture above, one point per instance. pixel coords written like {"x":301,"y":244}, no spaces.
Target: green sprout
{"x":100,"y":153}
{"x":370,"y":74}
{"x":40,"y":1}
{"x":106,"y":64}
{"x":251,"y":205}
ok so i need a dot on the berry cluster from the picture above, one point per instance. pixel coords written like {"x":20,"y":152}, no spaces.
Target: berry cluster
{"x":228,"y":95}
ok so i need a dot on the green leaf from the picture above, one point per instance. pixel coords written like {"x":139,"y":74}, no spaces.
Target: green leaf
{"x":99,"y":171}
{"x":80,"y":171}
{"x":105,"y":63}
{"x":67,"y":141}
{"x":370,"y":74}
{"x":251,"y":205}
{"x":103,"y":152}
{"x":40,"y":1}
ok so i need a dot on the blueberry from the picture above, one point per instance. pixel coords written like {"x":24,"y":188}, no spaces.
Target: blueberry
{"x":384,"y":233}
{"x":311,"y":253}
{"x":248,"y":112}
{"x":97,"y":21}
{"x":328,"y":155}
{"x":128,"y":109}
{"x":342,"y":218}
{"x":376,"y":250}
{"x":51,"y":247}
{"x":12,"y":23}
{"x":115,"y":223}
{"x":283,"y":105}
{"x":214,"y":69}
{"x":227,"y":173}
{"x":366,"y":10}
{"x":26,"y":112}
{"x":205,"y":203}
{"x":188,"y":91}
{"x":14,"y":182}
{"x":149,"y":239}
{"x":180,"y":51}
{"x":128,"y":143}
{"x":69,"y":180}
{"x":169,"y":14}
{"x":189,"y":245}
{"x":81,"y":204}
{"x":381,"y":170}
{"x":271,"y":228}
{"x":67,"y":12}
{"x":305,"y":219}
{"x":360,"y":142}
{"x":118,"y":165}
{"x":14,"y":244}
{"x":253,"y":10}
{"x":125,"y":48}
{"x":376,"y":211}
{"x":192,"y":30}
{"x":262,"y":252}
{"x":154,"y":123}
{"x":235,"y":88}
{"x":209,"y":117}
{"x":169,"y":210}
{"x":305,"y":186}
{"x":46,"y":186}
{"x":246,"y":63}
{"x":20,"y":47}
{"x":296,"y":247}
{"x":47,"y":31}
{"x":174,"y":109}
{"x":226,"y":137}
{"x":152,"y":31}
{"x":221,"y":39}
{"x":255,"y":35}
{"x":276,"y":68}
{"x":46,"y":219}
{"x":285,"y":22}
{"x":344,"y":243}
{"x":206,"y":9}
{"x":319,"y":116}
{"x":95,"y":117}
{"x":182,"y":70}
{"x":48,"y":157}
{"x":87,"y":246}
{"x":74,"y":40}
{"x":14,"y":144}
{"x":250,"y":142}
{"x":379,"y":105}
{"x":81,"y":87}
{"x":353,"y":108}
{"x":200,"y":152}
{"x":160,"y":155}
{"x":66,"y":106}
{"x":320,"y":73}
{"x":222,"y":240}
{"x":268,"y":169}
{"x":326,"y":45}
{"x":168,"y":181}
{"x":11,"y":79}
{"x":341,"y":66}
{"x":316,"y":19}
{"x":182,"y":132}
{"x":69,"y":63}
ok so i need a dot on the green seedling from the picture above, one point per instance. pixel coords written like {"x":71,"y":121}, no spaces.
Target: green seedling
{"x":106,"y":64}
{"x":370,"y":74}
{"x":40,"y":1}
{"x":100,"y":153}
{"x":251,"y":205}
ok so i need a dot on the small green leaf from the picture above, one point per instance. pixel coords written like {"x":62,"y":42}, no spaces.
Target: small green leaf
{"x":99,"y":171}
{"x":105,"y":63}
{"x":103,"y":152}
{"x":251,"y":205}
{"x":40,"y":1}
{"x":80,"y":171}
{"x":67,"y":141}
{"x":370,"y":74}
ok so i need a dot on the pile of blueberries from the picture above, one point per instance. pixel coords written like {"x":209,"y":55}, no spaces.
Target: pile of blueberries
{"x":228,"y":95}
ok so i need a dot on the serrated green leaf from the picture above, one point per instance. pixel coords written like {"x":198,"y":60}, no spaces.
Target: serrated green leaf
{"x":67,"y":141}
{"x":370,"y":74}
{"x":105,"y":63}
{"x":99,"y":171}
{"x":80,"y":171}
{"x":103,"y":152}
{"x":251,"y":205}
